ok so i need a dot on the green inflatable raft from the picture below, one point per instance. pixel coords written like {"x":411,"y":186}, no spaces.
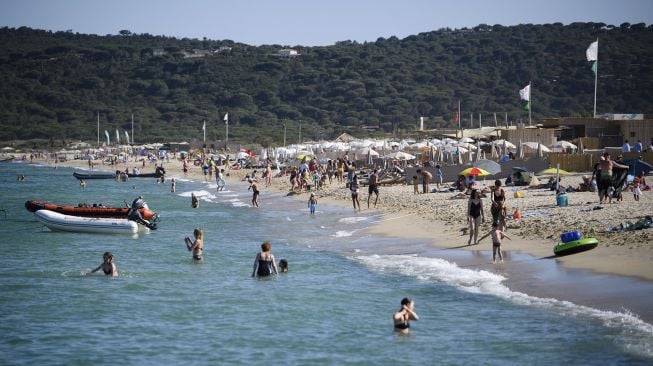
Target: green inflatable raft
{"x":575,"y":246}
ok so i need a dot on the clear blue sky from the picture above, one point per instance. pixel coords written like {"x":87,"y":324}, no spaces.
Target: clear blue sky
{"x":307,"y":22}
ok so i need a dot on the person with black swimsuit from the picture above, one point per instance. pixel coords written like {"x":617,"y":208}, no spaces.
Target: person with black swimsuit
{"x":107,"y":266}
{"x":475,"y":215}
{"x":402,"y":317}
{"x":264,"y":263}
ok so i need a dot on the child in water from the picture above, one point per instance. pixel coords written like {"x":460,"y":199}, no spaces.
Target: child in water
{"x":312,"y":203}
{"x":107,"y":266}
{"x":497,"y":235}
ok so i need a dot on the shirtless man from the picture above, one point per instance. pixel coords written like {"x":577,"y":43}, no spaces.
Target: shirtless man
{"x":373,"y":187}
{"x":605,"y":177}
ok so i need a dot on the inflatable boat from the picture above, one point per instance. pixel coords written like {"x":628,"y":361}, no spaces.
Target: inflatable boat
{"x":91,"y":175}
{"x":108,"y":212}
{"x":575,"y":246}
{"x":60,"y":222}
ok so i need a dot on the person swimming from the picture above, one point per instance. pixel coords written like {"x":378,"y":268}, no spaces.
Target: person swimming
{"x":107,"y":266}
{"x":283,"y":265}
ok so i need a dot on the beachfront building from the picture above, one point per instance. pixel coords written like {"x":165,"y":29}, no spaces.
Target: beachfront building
{"x":609,"y":130}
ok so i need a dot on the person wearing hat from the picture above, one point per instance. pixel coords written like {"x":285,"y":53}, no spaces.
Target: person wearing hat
{"x":312,"y":203}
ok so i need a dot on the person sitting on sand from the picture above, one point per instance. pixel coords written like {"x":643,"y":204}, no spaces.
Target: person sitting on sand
{"x":497,"y":235}
{"x":196,"y":246}
{"x":402,"y":318}
{"x":108,"y":266}
{"x":264,"y":264}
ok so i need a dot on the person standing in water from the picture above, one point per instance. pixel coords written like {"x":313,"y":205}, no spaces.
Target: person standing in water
{"x":194,"y":201}
{"x":173,"y":188}
{"x":497,"y":235}
{"x":475,"y":215}
{"x":403,"y":317}
{"x":107,"y":266}
{"x":312,"y":203}
{"x":264,"y":263}
{"x":254,"y":187}
{"x":196,"y":246}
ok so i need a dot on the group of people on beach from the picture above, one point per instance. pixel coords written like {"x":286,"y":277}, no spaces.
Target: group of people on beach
{"x":476,"y":215}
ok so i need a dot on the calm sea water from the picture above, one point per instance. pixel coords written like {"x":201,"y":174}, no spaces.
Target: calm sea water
{"x":333,"y":307}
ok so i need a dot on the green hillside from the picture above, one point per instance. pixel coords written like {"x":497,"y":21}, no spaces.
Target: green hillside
{"x":52,"y":85}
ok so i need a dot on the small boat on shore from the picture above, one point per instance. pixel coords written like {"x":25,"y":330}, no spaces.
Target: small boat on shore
{"x":575,"y":246}
{"x":105,"y":212}
{"x":59,"y":222}
{"x":104,"y":175}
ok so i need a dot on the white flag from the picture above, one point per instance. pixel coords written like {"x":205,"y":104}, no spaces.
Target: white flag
{"x":106,"y":133}
{"x":525,"y":94}
{"x":127,"y":136}
{"x":204,"y":126}
{"x":117,"y":136}
{"x":592,"y":52}
{"x":226,"y":118}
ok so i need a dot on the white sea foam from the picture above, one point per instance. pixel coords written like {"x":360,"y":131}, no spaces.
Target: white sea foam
{"x":352,"y":220}
{"x":343,"y":234}
{"x":635,"y":334}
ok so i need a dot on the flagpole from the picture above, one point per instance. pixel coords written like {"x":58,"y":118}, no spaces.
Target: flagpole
{"x":596,"y":74}
{"x":98,"y":129}
{"x":226,"y":138}
{"x":530,"y":103}
{"x":459,"y":119}
{"x":132,"y":129}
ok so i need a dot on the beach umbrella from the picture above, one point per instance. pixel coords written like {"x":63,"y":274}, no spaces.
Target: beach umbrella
{"x":301,"y":156}
{"x":367,"y":151}
{"x":520,"y":169}
{"x":563,"y":145}
{"x":551,"y":171}
{"x":505,"y":144}
{"x":466,"y":139}
{"x":478,"y":151}
{"x":490,"y":166}
{"x":581,"y":148}
{"x":474,"y":171}
{"x":399,"y":155}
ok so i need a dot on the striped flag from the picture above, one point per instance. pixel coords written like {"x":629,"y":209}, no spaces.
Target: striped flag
{"x":525,"y":96}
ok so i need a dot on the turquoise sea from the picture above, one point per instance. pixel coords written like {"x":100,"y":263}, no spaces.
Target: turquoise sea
{"x":333,"y":307}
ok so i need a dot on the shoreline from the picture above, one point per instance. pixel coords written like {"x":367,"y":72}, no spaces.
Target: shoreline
{"x":408,"y":216}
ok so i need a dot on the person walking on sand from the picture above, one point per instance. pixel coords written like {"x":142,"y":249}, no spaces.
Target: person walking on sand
{"x":108,"y":266}
{"x":264,"y":263}
{"x":475,"y":215}
{"x":373,"y":187}
{"x":605,"y":176}
{"x":415,"y":185}
{"x":312,"y":203}
{"x":196,"y":246}
{"x":426,"y":179}
{"x":254,"y":187}
{"x":497,"y":236}
{"x":402,"y":318}
{"x":353,"y":187}
{"x":268,"y":175}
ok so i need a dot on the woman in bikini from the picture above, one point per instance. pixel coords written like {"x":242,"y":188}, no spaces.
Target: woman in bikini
{"x":403,"y":317}
{"x":107,"y":266}
{"x":475,"y":215}
{"x":264,"y":263}
{"x":196,"y":246}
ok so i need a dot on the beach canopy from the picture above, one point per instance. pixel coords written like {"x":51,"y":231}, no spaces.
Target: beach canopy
{"x":474,"y":171}
{"x":301,"y":156}
{"x":552,"y":171}
{"x":367,"y":151}
{"x":399,"y":155}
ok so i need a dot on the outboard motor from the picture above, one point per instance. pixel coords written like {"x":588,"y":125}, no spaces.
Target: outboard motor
{"x":135,"y":215}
